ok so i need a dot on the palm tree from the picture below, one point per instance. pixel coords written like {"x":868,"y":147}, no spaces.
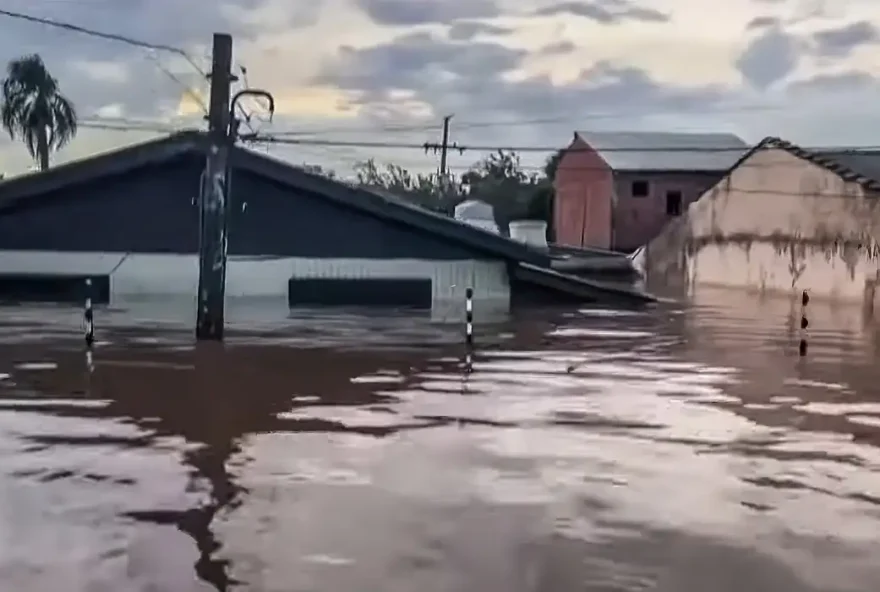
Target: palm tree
{"x":34,"y":110}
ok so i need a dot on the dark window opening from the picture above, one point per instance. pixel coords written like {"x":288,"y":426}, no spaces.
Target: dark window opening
{"x":59,"y":289}
{"x":673,"y":203}
{"x":396,"y":293}
{"x":640,"y":189}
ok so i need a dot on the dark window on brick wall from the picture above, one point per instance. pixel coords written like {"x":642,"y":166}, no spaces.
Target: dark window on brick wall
{"x":640,"y":189}
{"x":673,"y":203}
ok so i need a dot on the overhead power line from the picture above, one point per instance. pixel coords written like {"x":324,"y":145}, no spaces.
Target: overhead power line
{"x":576,"y":122}
{"x":432,"y":146}
{"x":128,"y":128}
{"x":190,"y":92}
{"x":103,"y":35}
{"x":571,"y":121}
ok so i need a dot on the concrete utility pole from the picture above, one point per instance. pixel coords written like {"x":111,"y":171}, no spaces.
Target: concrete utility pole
{"x":444,"y":147}
{"x":213,"y":206}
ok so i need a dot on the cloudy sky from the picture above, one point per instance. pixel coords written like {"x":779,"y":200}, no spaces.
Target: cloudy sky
{"x":513,"y":72}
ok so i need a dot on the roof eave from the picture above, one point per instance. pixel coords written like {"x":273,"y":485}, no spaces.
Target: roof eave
{"x":641,"y":171}
{"x":15,"y":190}
{"x":388,"y":209}
{"x":828,"y":163}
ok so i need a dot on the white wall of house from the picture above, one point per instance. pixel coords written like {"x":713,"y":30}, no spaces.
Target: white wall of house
{"x":778,"y":225}
{"x":140,"y":277}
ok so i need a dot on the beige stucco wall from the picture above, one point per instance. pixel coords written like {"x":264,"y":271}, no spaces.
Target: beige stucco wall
{"x":778,"y":225}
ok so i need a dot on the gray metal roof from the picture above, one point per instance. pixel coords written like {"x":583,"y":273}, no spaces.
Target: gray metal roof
{"x":663,"y":151}
{"x":853,"y":166}
{"x":21,"y":190}
{"x":863,"y":162}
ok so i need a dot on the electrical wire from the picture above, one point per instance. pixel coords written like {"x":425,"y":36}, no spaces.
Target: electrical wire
{"x":452,"y":148}
{"x":122,"y":120}
{"x":103,"y":35}
{"x":122,"y":39}
{"x":128,"y":128}
{"x":244,"y":113}
{"x":188,"y":90}
{"x":464,"y":125}
{"x":384,"y":128}
{"x":354,"y":159}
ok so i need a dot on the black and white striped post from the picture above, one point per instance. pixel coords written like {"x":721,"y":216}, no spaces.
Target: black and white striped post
{"x":89,"y":315}
{"x":802,"y":346}
{"x":468,"y":328}
{"x":469,"y":317}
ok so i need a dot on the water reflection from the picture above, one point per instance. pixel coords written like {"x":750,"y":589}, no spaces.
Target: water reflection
{"x":676,"y":449}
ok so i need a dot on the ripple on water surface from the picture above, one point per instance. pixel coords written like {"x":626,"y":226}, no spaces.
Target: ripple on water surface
{"x":675,"y":450}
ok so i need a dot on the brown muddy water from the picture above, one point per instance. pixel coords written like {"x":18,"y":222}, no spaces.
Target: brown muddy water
{"x":685,"y":449}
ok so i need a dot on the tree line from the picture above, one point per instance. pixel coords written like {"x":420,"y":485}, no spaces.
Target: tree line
{"x":498,"y":179}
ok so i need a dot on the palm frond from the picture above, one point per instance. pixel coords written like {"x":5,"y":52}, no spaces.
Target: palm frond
{"x":64,"y":120}
{"x":33,"y":107}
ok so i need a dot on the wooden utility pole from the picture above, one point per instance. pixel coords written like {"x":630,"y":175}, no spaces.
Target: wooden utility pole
{"x":213,"y":199}
{"x":444,"y":147}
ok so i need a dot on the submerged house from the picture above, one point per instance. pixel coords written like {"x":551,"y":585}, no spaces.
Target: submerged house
{"x":129,"y":220}
{"x":617,"y":190}
{"x":782,"y":220}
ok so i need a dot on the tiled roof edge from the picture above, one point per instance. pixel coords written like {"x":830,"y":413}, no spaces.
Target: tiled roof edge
{"x":828,"y":163}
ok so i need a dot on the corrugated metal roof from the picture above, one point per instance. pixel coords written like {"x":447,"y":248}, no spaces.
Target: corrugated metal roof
{"x":853,"y":166}
{"x":664,"y":151}
{"x":863,"y":162}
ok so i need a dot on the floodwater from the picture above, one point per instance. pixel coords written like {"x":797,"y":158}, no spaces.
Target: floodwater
{"x":685,"y":449}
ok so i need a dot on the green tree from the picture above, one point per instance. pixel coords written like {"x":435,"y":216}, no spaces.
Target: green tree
{"x":428,"y":191}
{"x":34,"y":110}
{"x":551,"y":165}
{"x":500,"y":180}
{"x":317,"y":169}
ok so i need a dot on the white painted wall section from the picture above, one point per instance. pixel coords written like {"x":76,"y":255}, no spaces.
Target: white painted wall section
{"x":137,"y":276}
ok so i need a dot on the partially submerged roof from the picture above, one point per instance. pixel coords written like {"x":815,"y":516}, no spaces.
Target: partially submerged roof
{"x":854,"y":166}
{"x":20,"y":190}
{"x":663,"y":151}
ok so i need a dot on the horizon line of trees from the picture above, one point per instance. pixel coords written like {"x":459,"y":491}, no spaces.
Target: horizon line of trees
{"x":498,"y":179}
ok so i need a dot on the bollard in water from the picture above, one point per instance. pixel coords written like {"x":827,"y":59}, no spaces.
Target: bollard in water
{"x":469,"y":328}
{"x":89,"y":315}
{"x":802,"y":346}
{"x":469,"y":316}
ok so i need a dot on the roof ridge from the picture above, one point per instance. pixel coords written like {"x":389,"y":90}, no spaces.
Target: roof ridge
{"x":654,"y":133}
{"x":118,"y":160}
{"x":823,"y":160}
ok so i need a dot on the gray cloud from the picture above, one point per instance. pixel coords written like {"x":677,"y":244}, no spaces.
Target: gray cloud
{"x":831,"y":84}
{"x":418,"y":61}
{"x":470,"y":80}
{"x":148,"y":91}
{"x":559,"y":48}
{"x":412,"y":12}
{"x":467,"y":30}
{"x":762,"y":22}
{"x":165,"y":22}
{"x":769,"y":58}
{"x":605,"y":11}
{"x":841,"y":42}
